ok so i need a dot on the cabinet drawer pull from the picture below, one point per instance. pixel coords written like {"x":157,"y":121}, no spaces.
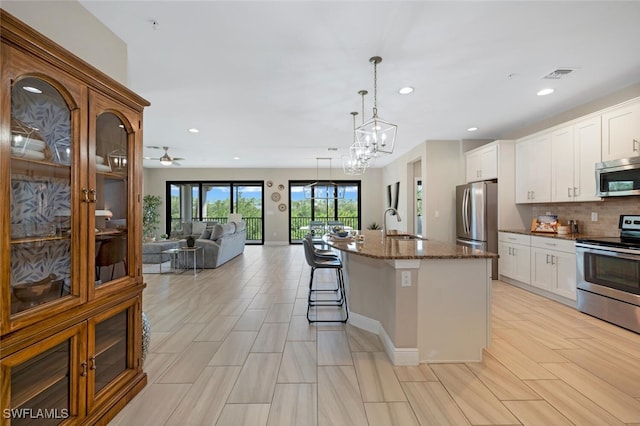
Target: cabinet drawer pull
{"x":85,"y":195}
{"x":83,"y":372}
{"x":636,"y":144}
{"x":94,"y":196}
{"x":576,"y":191}
{"x":569,"y":193}
{"x":93,"y":363}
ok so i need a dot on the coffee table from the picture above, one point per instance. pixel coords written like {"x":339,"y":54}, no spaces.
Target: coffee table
{"x":179,"y":258}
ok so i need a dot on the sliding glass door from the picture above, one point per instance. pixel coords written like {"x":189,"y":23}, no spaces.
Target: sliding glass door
{"x":303,"y":210}
{"x":214,"y":202}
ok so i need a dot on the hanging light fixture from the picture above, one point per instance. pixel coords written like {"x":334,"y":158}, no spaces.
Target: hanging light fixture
{"x":377,"y":135}
{"x":354,"y":164}
{"x":323,"y":189}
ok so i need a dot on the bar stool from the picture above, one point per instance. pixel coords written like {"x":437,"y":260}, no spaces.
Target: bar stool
{"x":316,"y":261}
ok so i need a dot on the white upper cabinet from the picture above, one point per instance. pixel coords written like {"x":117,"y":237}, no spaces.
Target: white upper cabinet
{"x":482,"y":163}
{"x":575,"y":149}
{"x":533,"y":169}
{"x":621,"y":131}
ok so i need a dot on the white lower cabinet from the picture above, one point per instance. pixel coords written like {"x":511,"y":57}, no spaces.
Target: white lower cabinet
{"x":546,"y":263}
{"x":514,"y":251}
{"x":553,"y":266}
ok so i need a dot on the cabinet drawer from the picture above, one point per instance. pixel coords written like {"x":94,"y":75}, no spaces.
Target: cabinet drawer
{"x":568,"y":246}
{"x":509,"y":237}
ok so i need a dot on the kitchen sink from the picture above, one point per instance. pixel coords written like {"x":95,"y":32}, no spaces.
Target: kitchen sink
{"x":405,"y":237}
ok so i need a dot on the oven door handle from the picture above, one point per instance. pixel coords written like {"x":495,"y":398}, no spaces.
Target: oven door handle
{"x":608,"y":250}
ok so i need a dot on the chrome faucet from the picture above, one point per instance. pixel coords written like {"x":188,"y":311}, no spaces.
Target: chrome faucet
{"x":389,"y":209}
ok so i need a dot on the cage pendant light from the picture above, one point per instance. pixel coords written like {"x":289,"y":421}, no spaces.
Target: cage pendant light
{"x":377,"y":135}
{"x":354,"y":163}
{"x":323,"y":189}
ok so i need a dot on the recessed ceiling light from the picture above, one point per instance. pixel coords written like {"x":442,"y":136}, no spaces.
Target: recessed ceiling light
{"x":545,"y":92}
{"x":236,"y":158}
{"x":193,"y":130}
{"x":472,"y":129}
{"x":405,"y":90}
{"x":32,"y":89}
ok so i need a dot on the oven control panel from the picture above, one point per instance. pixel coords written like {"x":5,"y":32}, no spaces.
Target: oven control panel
{"x":629,"y":222}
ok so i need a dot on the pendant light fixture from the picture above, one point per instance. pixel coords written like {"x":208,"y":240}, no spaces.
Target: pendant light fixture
{"x":377,"y":135}
{"x":323,"y":189}
{"x":354,"y":164}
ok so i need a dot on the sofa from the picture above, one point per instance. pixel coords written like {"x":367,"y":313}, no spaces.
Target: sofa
{"x":194,"y":229}
{"x":225,"y":242}
{"x":152,"y":252}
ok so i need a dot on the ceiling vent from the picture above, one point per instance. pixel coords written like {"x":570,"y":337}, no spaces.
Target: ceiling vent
{"x":558,"y":74}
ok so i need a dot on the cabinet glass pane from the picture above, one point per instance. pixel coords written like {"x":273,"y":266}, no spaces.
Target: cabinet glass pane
{"x":111,"y":349}
{"x":41,"y":157}
{"x":112,"y":172}
{"x":40,"y":388}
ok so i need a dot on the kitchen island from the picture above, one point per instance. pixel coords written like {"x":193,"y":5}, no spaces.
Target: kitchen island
{"x":429,"y":301}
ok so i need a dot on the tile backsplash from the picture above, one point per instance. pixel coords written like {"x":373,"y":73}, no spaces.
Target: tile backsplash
{"x":608,"y":212}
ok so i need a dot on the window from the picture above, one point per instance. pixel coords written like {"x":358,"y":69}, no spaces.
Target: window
{"x":213,"y":201}
{"x":303,"y":210}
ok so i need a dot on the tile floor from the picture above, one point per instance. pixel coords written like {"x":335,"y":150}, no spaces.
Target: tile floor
{"x":232,"y":346}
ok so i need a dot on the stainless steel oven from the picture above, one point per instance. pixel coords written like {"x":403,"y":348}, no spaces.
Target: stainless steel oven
{"x":608,"y":275}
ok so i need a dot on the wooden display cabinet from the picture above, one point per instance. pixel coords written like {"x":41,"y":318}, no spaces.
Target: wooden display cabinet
{"x":70,"y":235}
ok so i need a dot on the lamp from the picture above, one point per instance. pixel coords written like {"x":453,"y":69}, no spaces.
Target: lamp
{"x":354,"y":164}
{"x":118,"y":159}
{"x":377,"y":135}
{"x":165,"y":160}
{"x":323,"y":190}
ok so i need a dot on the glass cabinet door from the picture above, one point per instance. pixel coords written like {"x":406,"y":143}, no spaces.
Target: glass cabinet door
{"x":112,"y":356}
{"x":42,"y":156}
{"x":44,"y":387}
{"x":111,"y":198}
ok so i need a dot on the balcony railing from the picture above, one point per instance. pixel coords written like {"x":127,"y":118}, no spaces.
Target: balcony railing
{"x":297,"y":234}
{"x":254,"y":226}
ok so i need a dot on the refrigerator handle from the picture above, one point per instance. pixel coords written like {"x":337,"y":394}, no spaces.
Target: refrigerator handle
{"x":465,"y":210}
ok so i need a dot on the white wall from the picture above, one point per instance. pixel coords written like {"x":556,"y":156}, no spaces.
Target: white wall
{"x":70,"y":25}
{"x":276,"y":222}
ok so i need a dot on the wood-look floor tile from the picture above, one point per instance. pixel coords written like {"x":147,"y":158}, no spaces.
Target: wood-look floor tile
{"x":257,"y":379}
{"x":339,"y":399}
{"x":333,"y":348}
{"x":153,"y":406}
{"x":432,"y":404}
{"x":390,"y":413}
{"x":362,"y":340}
{"x":534,"y":349}
{"x":251,"y":320}
{"x":572,"y":404}
{"x":415,"y":373}
{"x":156,"y":364}
{"x":475,"y":400}
{"x":299,"y":363}
{"x":621,"y":405}
{"x":378,"y":382}
{"x":533,"y":413}
{"x":206,"y":398}
{"x":235,"y":307}
{"x":294,"y":405}
{"x":190,"y":363}
{"x":244,"y":415}
{"x":279,"y":312}
{"x":502,"y":382}
{"x":300,"y":307}
{"x":623,"y":341}
{"x":217,"y":329}
{"x":271,"y":338}
{"x":300,"y":329}
{"x":234,"y":349}
{"x":517,"y":362}
{"x":180,"y":340}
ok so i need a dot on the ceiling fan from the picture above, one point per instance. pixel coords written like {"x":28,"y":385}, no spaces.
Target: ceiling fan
{"x":165,"y":159}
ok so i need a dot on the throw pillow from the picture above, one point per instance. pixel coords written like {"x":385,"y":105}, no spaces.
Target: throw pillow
{"x":198,"y":227}
{"x":206,"y":234}
{"x":218,"y":231}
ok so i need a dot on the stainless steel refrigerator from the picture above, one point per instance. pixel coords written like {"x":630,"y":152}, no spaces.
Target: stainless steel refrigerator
{"x":477,"y":218}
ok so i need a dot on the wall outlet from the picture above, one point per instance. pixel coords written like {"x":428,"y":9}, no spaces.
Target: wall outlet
{"x":594,"y":216}
{"x":405,"y":279}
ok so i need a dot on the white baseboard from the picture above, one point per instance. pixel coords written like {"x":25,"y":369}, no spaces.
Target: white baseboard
{"x":398,"y":356}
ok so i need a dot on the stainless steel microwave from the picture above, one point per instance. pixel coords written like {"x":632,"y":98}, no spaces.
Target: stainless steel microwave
{"x":618,"y":177}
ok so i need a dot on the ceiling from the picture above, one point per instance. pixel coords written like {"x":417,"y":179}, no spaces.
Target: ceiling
{"x":273,"y":82}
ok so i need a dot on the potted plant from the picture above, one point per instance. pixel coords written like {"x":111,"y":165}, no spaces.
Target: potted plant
{"x":150,"y":215}
{"x":373,"y":225}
